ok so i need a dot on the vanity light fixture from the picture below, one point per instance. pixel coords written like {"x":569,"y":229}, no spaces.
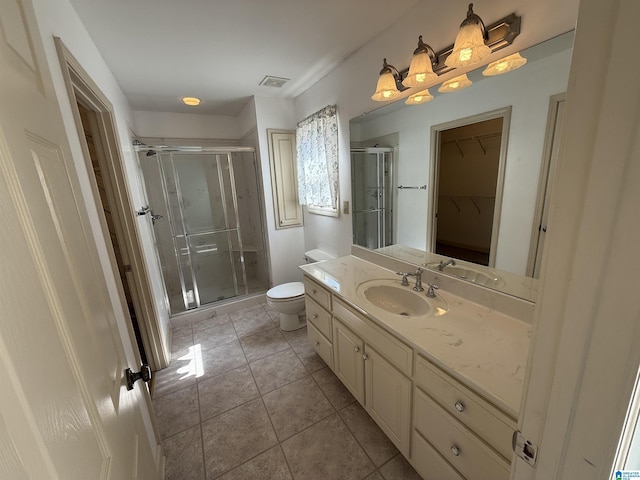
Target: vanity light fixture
{"x":456,"y":83}
{"x":191,"y":101}
{"x":387,"y":88}
{"x":418,"y":98}
{"x":473,"y":44}
{"x":469,"y":47}
{"x":504,"y":65}
{"x":421,"y":68}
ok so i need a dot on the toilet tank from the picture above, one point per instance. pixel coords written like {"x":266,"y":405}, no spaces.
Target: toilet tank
{"x":315,"y":255}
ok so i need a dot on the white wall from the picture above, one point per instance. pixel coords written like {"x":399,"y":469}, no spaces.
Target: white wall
{"x":527,"y":91}
{"x":286,"y":246}
{"x":185,"y":125}
{"x":352,"y":83}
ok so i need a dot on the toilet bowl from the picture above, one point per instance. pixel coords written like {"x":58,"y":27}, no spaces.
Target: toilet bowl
{"x":288,"y":299}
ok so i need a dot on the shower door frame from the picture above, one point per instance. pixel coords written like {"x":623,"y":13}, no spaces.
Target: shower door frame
{"x":228,"y":152}
{"x":386,"y":201}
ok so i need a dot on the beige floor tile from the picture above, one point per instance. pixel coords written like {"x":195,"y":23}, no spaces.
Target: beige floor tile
{"x":214,"y":335}
{"x":399,"y":469}
{"x":226,"y":391}
{"x":236,"y":436}
{"x":183,"y":452}
{"x":375,"y":443}
{"x":327,"y":450}
{"x":375,"y":476}
{"x":264,"y":343}
{"x":296,"y":406}
{"x":308,"y":356}
{"x":214,"y":321}
{"x":220,"y":359}
{"x":333,"y":388}
{"x":177,"y":411}
{"x":181,"y":339}
{"x":277,"y":370}
{"x":270,"y":465}
{"x":178,"y":375}
{"x":296,"y":337}
{"x":250,"y":321}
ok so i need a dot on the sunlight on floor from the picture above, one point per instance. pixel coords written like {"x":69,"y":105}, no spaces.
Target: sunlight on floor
{"x":195,"y":367}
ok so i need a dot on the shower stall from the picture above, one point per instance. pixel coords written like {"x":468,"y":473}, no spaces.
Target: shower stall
{"x":371,"y":184}
{"x":208,"y":222}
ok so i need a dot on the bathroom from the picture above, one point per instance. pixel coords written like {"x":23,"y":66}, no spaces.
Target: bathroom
{"x":286,"y":247}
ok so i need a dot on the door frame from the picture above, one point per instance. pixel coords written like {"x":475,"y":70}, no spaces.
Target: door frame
{"x":82,"y":89}
{"x":549,"y":160}
{"x":434,"y":172}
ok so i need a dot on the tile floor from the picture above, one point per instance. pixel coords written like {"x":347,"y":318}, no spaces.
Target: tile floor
{"x":243,"y":400}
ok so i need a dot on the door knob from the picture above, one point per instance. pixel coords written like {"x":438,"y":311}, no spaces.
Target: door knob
{"x":144,"y":374}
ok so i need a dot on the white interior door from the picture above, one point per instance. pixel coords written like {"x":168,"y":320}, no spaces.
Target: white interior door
{"x":65,"y":412}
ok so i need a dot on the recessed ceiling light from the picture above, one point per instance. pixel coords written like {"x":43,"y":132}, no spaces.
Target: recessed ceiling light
{"x":193,"y":101}
{"x":271,"y":81}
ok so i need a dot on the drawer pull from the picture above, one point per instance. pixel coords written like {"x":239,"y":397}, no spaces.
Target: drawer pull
{"x":357,"y":349}
{"x":317,"y":344}
{"x":365,"y":356}
{"x":460,"y":406}
{"x":455,"y":450}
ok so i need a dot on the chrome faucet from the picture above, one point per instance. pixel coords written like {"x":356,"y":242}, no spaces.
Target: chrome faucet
{"x":431,"y":292}
{"x":443,"y":264}
{"x":418,"y":286}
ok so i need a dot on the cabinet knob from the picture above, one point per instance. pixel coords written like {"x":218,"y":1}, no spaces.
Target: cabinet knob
{"x":317,"y":344}
{"x":314,"y":291}
{"x":455,"y":450}
{"x":459,"y":406}
{"x":357,"y":349}
{"x":365,"y":356}
{"x":314,"y":316}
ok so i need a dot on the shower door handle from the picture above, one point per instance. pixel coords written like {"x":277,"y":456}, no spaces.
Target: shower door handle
{"x":155,"y":217}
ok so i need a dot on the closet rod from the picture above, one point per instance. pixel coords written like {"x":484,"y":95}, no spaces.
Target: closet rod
{"x":419,"y":187}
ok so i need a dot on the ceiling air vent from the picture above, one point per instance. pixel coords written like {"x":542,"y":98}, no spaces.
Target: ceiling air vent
{"x":270,"y":81}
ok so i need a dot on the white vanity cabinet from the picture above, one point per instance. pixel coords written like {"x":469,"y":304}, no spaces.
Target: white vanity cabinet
{"x":374,"y":366}
{"x":319,"y":326}
{"x":471,"y":434}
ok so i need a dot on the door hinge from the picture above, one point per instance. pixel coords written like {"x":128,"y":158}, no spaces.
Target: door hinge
{"x":525,"y":448}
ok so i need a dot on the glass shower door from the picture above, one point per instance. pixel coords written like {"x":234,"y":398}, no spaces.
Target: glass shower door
{"x":206,"y":226}
{"x":372,"y":177}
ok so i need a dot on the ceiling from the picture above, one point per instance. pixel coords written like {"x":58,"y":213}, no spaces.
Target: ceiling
{"x":219,"y":50}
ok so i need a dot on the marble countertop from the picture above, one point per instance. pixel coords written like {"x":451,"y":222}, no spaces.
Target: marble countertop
{"x":482,"y":348}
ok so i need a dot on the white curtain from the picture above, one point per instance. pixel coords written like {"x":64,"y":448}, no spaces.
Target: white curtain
{"x":317,"y":152}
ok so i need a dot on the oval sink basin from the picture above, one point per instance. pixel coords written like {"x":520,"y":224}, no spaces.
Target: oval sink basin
{"x":469,"y":274}
{"x":399,"y":300}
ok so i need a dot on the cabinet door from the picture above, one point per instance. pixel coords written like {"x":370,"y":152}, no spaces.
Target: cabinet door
{"x":348,"y":349}
{"x":388,"y":399}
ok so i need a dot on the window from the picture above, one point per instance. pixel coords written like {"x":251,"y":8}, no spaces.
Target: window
{"x":317,"y":152}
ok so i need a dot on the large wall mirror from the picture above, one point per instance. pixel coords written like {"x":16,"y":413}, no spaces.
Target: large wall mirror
{"x":519,"y":152}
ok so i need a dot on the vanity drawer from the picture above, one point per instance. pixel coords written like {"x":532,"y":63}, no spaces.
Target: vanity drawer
{"x":396,"y":352}
{"x":318,"y":293}
{"x":320,"y":318}
{"x":429,"y":463}
{"x":486,"y":420}
{"x":458,"y":445}
{"x":321,"y":345}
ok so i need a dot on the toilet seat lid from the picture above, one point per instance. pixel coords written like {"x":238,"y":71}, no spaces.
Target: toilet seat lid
{"x":286,"y":290}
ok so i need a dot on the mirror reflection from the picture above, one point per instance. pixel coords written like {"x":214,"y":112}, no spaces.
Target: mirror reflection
{"x":494,"y":230}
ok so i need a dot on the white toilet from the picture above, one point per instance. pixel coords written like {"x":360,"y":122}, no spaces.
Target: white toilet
{"x":288,"y":298}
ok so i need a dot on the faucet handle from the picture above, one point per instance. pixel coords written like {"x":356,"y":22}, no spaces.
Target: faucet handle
{"x":405,"y":281}
{"x":431,"y":292}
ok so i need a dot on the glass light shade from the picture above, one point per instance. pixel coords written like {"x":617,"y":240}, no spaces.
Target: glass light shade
{"x":418,"y":98}
{"x":469,"y":47}
{"x":455,"y":84}
{"x":420,"y":71}
{"x":386,"y":88}
{"x":191,"y":101}
{"x":504,"y":65}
